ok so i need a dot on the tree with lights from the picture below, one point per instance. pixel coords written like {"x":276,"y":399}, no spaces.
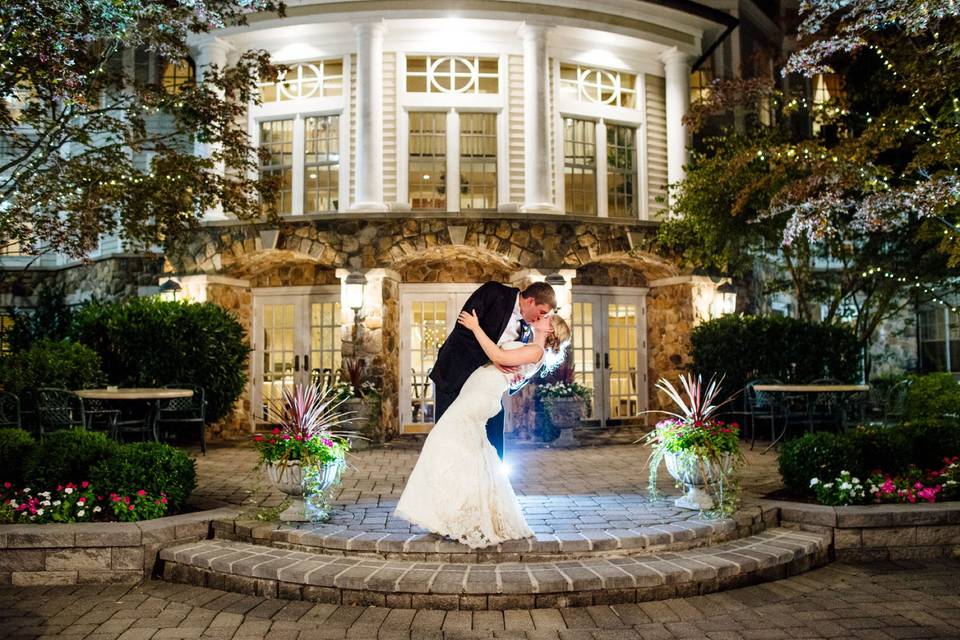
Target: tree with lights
{"x":850,"y":203}
{"x":91,"y":144}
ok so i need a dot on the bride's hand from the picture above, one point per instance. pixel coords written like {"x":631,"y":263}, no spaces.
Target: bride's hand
{"x":469,"y":320}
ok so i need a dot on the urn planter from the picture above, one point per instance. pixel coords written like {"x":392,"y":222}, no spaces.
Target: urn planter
{"x":697,"y":476}
{"x":565,"y":414}
{"x":309,"y":485}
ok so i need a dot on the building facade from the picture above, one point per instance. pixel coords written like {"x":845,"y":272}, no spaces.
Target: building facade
{"x":423,"y":149}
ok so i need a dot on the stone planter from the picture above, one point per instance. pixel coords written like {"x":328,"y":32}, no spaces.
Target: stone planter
{"x":687,"y":469}
{"x":308,"y":485}
{"x":360,"y":413}
{"x":565,"y":414}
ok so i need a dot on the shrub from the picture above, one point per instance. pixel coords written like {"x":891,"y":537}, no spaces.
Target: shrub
{"x":932,"y":397}
{"x":149,"y":342}
{"x":814,"y":455}
{"x":790,"y":350}
{"x":47,"y":363}
{"x":149,"y":466}
{"x":18,"y":449}
{"x":929,"y":443}
{"x":69,"y":456}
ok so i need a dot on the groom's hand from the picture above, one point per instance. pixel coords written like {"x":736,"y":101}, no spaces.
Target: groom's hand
{"x":506,"y":369}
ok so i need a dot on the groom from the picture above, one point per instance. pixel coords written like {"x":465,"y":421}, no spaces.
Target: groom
{"x":505,"y":315}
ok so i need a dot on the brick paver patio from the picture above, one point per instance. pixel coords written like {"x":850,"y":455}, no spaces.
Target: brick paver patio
{"x":902,"y":600}
{"x":562,"y":490}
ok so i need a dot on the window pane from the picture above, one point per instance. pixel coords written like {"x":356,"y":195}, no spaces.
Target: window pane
{"x":305,"y":80}
{"x":452,"y":74}
{"x":579,"y":166}
{"x":621,"y":171}
{"x":590,"y":84}
{"x":478,"y":161}
{"x":321,"y":164}
{"x":428,"y":160}
{"x":276,"y":136}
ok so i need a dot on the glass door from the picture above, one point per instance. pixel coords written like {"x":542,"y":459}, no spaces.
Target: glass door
{"x":609,"y":351}
{"x":296,"y":341}
{"x":428,"y":313}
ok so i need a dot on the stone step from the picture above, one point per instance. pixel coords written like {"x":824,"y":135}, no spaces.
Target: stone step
{"x":335,"y":539}
{"x":298,"y":575}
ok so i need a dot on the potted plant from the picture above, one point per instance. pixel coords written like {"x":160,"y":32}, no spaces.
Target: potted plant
{"x":701,"y":453}
{"x":304,"y":455}
{"x":564,"y":404}
{"x":361,"y":399}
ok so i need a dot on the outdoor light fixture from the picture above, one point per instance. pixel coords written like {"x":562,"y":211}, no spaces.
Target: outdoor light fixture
{"x":169,"y":289}
{"x":555,"y":280}
{"x":726,"y":299}
{"x":559,"y":284}
{"x":354,"y":286}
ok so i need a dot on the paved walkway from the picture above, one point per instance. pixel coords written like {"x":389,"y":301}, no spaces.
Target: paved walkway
{"x":902,"y":600}
{"x":562,"y":490}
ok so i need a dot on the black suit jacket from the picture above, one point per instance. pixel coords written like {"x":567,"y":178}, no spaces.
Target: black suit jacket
{"x":461,"y":354}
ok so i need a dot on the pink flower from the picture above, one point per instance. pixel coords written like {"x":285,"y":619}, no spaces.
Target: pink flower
{"x":275,"y":431}
{"x":258,"y":438}
{"x":84,"y":484}
{"x":7,"y":485}
{"x":127,"y":500}
{"x":141,"y":492}
{"x":130,"y":507}
{"x":286,"y":437}
{"x":163,"y":500}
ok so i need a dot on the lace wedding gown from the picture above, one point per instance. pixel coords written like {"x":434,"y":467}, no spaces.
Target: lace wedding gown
{"x":459,"y":487}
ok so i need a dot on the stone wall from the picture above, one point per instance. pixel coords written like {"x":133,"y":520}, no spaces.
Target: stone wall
{"x":670,"y":321}
{"x":239,"y":301}
{"x":95,"y":552}
{"x":114,"y":278}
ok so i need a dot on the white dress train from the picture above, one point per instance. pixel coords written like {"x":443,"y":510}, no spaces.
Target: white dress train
{"x":459,"y":486}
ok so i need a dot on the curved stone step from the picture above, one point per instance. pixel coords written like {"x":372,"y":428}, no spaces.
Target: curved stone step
{"x":248,"y":568}
{"x":333,"y":539}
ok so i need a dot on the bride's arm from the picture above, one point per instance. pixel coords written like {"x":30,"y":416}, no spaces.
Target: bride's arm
{"x":527,"y":354}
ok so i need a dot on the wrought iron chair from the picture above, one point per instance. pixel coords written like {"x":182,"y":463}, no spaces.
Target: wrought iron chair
{"x":58,"y":409}
{"x":827,"y":408}
{"x":97,"y":413}
{"x":764,"y":405}
{"x":9,"y":410}
{"x":185,"y":411}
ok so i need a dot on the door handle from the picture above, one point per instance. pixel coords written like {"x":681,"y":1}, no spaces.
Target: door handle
{"x":606,"y":360}
{"x":296,"y":363}
{"x":596,"y":360}
{"x":306,"y":362}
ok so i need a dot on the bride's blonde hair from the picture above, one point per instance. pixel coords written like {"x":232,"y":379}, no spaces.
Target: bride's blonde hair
{"x":561,"y":334}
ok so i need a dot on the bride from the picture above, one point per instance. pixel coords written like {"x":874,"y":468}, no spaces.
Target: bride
{"x":459,"y":487}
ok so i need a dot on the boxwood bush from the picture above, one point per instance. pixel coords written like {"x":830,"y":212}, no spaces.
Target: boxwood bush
{"x":863,"y":450}
{"x":69,"y":455}
{"x":18,"y":450}
{"x":150,"y":342}
{"x":747,"y":347}
{"x":932,"y":398}
{"x":151,"y":466}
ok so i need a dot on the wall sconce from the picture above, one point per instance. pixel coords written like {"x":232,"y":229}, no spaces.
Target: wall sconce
{"x":559,"y":284}
{"x":354,"y":286}
{"x":726,"y":299}
{"x":169,"y":289}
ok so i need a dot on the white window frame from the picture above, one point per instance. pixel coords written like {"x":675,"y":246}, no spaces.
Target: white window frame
{"x":453,"y":104}
{"x":298,"y":111}
{"x":602,"y":115}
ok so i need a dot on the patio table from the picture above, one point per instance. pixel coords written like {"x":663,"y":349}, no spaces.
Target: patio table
{"x":151,"y":395}
{"x":810,"y":390}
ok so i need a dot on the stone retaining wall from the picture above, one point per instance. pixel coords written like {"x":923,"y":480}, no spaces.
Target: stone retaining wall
{"x":95,"y":552}
{"x":880,"y":532}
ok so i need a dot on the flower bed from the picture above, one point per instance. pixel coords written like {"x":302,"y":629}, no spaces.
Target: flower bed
{"x":81,"y":476}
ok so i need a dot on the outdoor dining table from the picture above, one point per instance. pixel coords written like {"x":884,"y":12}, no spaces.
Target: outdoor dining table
{"x":151,"y":395}
{"x":810,"y":390}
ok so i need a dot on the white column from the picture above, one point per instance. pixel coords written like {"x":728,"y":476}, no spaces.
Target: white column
{"x":536,"y":120}
{"x":676,"y":66}
{"x":369,"y":161}
{"x":210,"y":51}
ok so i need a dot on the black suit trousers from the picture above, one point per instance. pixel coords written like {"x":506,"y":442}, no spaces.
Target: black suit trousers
{"x":494,"y":424}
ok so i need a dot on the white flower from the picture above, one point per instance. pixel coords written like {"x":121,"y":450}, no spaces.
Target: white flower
{"x":39,"y":512}
{"x":828,"y":485}
{"x":844,"y":486}
{"x":855,"y":481}
{"x":56,"y":503}
{"x":81,"y":512}
{"x":814,"y":482}
{"x":844,"y":473}
{"x":45,"y":503}
{"x":97,"y":509}
{"x":68,"y":490}
{"x":26,"y":490}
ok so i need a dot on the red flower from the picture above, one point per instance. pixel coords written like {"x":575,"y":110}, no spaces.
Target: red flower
{"x":258,"y":438}
{"x":84,"y":484}
{"x":141,"y":492}
{"x":127,"y":500}
{"x":163,"y":500}
{"x":7,"y":485}
{"x":131,"y":507}
{"x":275,"y":431}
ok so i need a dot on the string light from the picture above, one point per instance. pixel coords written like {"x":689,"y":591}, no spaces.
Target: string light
{"x":919,"y":286}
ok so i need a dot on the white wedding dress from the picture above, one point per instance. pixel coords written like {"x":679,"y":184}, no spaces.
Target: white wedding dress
{"x":459,"y":487}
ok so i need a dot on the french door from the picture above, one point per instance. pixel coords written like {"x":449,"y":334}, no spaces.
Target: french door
{"x":609,"y":346}
{"x":296,"y":340}
{"x":428,"y":313}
